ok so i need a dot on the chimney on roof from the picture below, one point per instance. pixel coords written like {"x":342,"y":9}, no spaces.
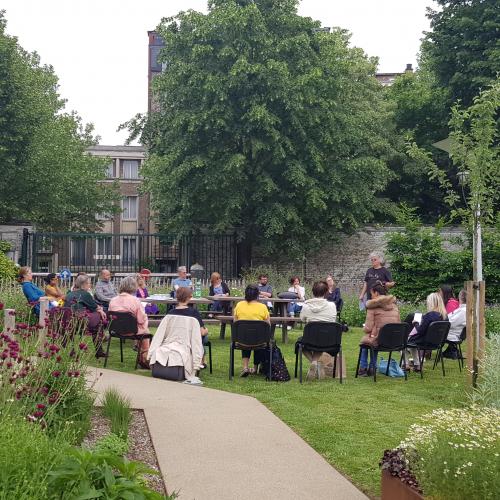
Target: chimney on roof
{"x":409,"y":68}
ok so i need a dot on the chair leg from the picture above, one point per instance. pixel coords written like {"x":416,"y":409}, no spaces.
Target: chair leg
{"x":436,"y":359}
{"x":460,"y":358}
{"x":231,"y":361}
{"x":340,"y":364}
{"x":121,"y":350}
{"x":270,"y":362}
{"x":357,"y":366}
{"x":139,"y":350}
{"x":300,"y":364}
{"x":372,"y":357}
{"x":388,"y":363}
{"x":107,"y":352}
{"x":222,"y":331}
{"x":402,"y":362}
{"x":334,"y":365}
{"x":210,"y":356}
{"x":440,"y":355}
{"x":421,"y":360}
{"x":296,"y":359}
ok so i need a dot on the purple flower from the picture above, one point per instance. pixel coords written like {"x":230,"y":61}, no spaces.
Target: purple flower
{"x":56,"y":373}
{"x":82,"y":346}
{"x":41,"y":406}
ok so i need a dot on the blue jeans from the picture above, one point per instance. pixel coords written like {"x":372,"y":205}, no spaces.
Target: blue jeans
{"x":293,"y":308}
{"x":363,"y":362}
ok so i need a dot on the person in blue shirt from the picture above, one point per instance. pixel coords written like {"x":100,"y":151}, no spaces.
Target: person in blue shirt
{"x":31,"y":291}
{"x":182,"y":280}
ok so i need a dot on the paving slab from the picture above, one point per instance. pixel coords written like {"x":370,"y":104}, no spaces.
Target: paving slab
{"x":218,"y":445}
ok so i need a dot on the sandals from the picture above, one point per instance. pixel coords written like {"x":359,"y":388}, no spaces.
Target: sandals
{"x":245,"y":372}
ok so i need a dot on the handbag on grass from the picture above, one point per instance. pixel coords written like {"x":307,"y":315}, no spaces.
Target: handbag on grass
{"x":394,"y":368}
{"x":167,"y":372}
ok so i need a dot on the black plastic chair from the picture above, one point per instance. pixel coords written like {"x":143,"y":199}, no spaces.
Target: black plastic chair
{"x":457,"y":344}
{"x":392,"y":337}
{"x":434,"y":340}
{"x":209,"y":345}
{"x":320,"y":336}
{"x":123,"y":326}
{"x":250,"y":335}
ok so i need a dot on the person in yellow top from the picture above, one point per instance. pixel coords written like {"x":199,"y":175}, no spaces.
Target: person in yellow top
{"x":52,"y":290}
{"x":250,"y":309}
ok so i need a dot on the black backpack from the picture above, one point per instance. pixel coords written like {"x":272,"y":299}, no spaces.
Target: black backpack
{"x":279,"y":371}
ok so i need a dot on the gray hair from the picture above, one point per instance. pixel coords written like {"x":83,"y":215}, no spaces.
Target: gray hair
{"x":182,"y":269}
{"x":462,"y":296}
{"x":128,"y":285}
{"x":379,"y":255}
{"x":80,"y":281}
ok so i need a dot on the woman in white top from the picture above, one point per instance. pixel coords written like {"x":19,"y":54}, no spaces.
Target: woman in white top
{"x":296,"y":307}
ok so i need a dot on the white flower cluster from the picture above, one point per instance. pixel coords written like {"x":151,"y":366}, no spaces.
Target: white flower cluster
{"x":472,"y":428}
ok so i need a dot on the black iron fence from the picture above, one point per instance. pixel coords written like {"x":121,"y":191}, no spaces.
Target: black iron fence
{"x":161,"y":253}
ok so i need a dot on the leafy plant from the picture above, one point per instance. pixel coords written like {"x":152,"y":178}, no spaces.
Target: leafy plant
{"x":8,"y":269}
{"x":454,"y":453}
{"x":111,"y":443}
{"x":396,"y":463}
{"x":90,"y":474}
{"x":116,"y":407}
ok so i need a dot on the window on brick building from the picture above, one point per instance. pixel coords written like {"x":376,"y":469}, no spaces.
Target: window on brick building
{"x":130,"y":169}
{"x":110,"y":170}
{"x":129,"y":207}
{"x":129,"y":251}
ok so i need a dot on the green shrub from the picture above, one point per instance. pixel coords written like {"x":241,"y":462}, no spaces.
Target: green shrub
{"x":351,"y":313}
{"x":117,"y":408}
{"x":90,"y":474}
{"x":27,"y":454}
{"x":111,"y":443}
{"x":454,"y":453}
{"x":420,"y":263}
{"x":8,"y":269}
{"x":492,"y":314}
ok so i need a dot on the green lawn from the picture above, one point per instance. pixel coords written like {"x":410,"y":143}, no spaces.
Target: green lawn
{"x":349,"y":424}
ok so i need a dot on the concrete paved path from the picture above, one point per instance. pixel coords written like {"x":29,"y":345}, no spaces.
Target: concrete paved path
{"x":217,"y":445}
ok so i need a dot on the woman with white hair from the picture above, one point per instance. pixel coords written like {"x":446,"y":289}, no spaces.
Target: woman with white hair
{"x":376,"y":273}
{"x":126,"y":301}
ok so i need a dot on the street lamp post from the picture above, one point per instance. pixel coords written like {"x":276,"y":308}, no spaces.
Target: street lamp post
{"x":197,"y":274}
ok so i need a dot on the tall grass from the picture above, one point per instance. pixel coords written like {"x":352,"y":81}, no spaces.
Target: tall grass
{"x":116,"y":407}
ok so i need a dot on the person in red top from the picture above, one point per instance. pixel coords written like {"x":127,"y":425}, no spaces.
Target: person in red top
{"x":449,"y":300}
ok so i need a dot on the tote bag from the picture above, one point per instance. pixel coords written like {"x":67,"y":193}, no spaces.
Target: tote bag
{"x":394,"y":368}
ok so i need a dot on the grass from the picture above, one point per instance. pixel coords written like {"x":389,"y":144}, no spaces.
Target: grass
{"x":116,"y":407}
{"x":350,"y":425}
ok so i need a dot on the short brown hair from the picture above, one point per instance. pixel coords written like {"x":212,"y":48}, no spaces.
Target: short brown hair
{"x":293,"y":278}
{"x":215,"y":277}
{"x":183,"y":293}
{"x":320,"y":289}
{"x":23,"y":271}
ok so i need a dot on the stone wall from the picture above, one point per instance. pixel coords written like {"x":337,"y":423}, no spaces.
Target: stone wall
{"x":346,"y":258}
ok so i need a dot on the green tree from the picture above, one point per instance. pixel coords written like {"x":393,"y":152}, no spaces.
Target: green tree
{"x":266,"y":126}
{"x":47,"y":177}
{"x":463,"y":47}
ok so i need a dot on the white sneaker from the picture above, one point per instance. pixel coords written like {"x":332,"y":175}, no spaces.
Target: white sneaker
{"x":193,"y":381}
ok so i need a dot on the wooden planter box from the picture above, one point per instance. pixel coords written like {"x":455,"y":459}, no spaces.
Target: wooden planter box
{"x":394,"y":489}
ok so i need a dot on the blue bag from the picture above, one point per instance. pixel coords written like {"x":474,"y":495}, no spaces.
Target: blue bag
{"x":394,"y":368}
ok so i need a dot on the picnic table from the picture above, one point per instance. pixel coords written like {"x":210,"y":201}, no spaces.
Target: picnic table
{"x":166,"y":299}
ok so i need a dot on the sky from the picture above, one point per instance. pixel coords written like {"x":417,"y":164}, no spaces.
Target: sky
{"x":99,"y":49}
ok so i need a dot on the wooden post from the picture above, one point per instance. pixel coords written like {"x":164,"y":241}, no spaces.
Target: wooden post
{"x":44,"y":315}
{"x":9,"y":320}
{"x":482,"y":320}
{"x":471,"y":303}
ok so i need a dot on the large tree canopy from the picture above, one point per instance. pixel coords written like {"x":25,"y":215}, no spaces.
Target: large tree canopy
{"x":459,"y":57}
{"x":266,"y":126}
{"x":47,"y":177}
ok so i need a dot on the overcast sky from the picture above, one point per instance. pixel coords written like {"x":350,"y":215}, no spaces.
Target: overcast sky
{"x":99,"y":48}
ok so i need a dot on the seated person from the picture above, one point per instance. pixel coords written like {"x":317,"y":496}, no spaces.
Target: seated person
{"x":435,"y":312}
{"x":31,"y":291}
{"x":104,"y":289}
{"x":52,"y":290}
{"x":182,"y":281}
{"x":317,"y":309}
{"x":458,"y":320}
{"x":184,"y":295}
{"x":380,"y":310}
{"x":250,"y":309}
{"x":176,"y":350}
{"x":449,"y":300}
{"x":333,"y":294}
{"x":142,"y":293}
{"x":218,"y":288}
{"x":264,"y":288}
{"x":126,"y":301}
{"x":80,"y":299}
{"x":294,"y":308}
